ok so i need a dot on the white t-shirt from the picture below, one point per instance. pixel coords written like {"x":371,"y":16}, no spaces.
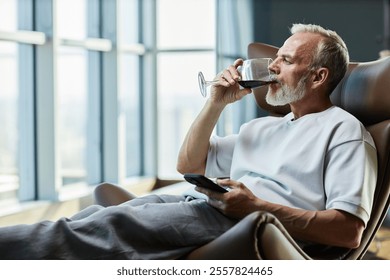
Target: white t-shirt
{"x":324,"y":160}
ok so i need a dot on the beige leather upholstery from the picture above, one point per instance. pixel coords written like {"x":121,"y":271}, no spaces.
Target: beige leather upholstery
{"x":364,"y":92}
{"x":251,"y":239}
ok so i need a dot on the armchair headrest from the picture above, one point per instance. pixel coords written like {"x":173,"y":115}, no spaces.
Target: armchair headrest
{"x":364,"y":91}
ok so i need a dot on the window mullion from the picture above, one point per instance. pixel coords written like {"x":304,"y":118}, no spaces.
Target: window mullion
{"x":94,"y":129}
{"x":47,"y":155}
{"x":149,"y":85}
{"x":113,"y":134}
{"x":26,"y":120}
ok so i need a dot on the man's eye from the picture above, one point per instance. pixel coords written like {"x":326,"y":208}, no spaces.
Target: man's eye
{"x":285,"y":60}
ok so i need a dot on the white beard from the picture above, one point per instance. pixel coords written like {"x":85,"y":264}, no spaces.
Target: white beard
{"x":286,"y":95}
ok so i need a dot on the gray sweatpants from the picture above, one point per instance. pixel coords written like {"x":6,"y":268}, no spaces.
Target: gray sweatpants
{"x":149,"y":227}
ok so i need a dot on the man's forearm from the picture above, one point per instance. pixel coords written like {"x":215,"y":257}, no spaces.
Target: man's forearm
{"x":193,"y":152}
{"x":332,"y":227}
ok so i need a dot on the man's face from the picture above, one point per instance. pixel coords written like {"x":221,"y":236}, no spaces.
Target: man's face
{"x":292,"y":68}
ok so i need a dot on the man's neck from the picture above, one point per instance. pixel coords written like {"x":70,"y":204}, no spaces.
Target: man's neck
{"x":310,"y":106}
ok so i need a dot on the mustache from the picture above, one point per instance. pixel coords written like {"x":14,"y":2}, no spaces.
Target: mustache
{"x":273,"y":79}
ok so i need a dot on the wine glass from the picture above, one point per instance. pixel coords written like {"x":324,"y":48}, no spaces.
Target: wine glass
{"x":253,"y":73}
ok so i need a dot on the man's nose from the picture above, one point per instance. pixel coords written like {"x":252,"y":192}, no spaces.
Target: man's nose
{"x":273,"y":67}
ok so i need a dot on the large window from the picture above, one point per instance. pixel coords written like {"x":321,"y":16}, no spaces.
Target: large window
{"x":179,"y":101}
{"x":72,"y":89}
{"x":9,"y":134}
{"x":72,"y":110}
{"x":9,"y":98}
{"x":186,"y":45}
{"x":130,"y":93}
{"x":95,"y":90}
{"x":130,"y":101}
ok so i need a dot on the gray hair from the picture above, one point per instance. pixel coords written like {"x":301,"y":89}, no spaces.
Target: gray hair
{"x":331,"y":52}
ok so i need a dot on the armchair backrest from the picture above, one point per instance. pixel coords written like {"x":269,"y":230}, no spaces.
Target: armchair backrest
{"x":365,"y":93}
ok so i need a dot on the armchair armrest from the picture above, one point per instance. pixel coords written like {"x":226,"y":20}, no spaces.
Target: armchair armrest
{"x":258,"y":236}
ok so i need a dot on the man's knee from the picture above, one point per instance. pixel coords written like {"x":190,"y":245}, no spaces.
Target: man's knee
{"x":107,"y":194}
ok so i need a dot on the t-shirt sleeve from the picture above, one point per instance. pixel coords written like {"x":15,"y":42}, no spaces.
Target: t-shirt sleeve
{"x":350,"y":178}
{"x":220,"y":155}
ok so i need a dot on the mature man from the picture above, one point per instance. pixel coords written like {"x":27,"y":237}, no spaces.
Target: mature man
{"x":314,"y":169}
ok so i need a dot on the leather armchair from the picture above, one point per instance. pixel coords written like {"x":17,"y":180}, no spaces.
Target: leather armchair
{"x":364,"y":92}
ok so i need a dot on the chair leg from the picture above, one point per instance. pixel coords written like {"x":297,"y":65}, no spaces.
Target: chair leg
{"x":107,"y":194}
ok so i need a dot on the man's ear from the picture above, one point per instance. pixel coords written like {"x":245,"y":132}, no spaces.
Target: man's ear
{"x":320,"y":76}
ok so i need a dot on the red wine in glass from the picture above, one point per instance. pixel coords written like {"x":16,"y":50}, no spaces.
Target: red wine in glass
{"x":254,"y":73}
{"x":255,"y":83}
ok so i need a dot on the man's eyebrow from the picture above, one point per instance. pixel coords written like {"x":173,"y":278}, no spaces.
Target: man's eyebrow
{"x":284,"y":55}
